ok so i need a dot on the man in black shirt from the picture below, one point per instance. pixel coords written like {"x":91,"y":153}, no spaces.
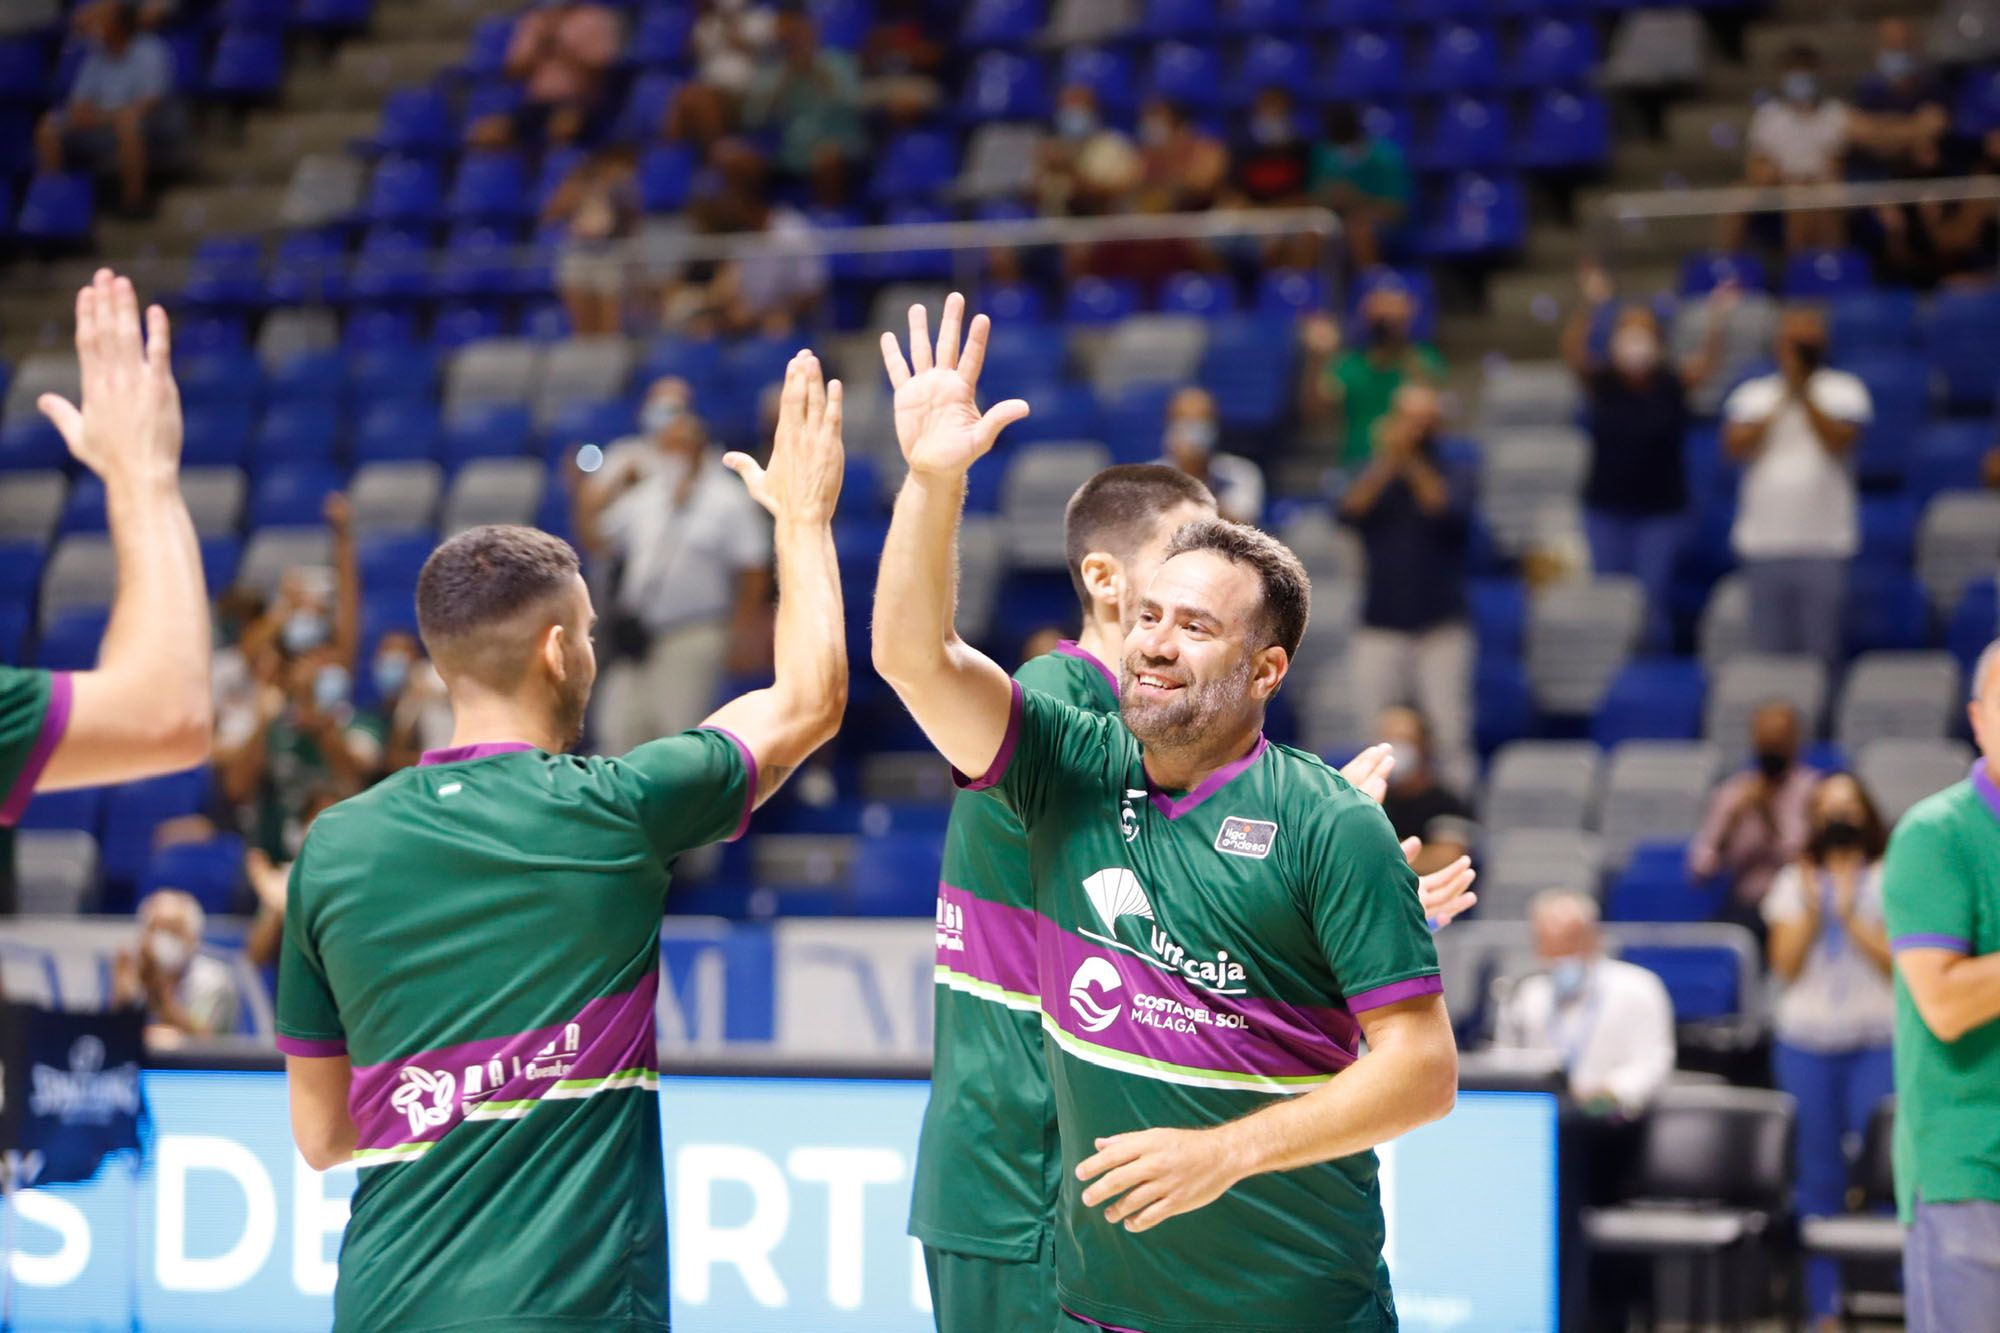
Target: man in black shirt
{"x":1417,"y":805}
{"x":1412,"y":509}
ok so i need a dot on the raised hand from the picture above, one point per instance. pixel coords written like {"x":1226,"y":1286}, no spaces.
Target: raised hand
{"x":129,"y":424}
{"x":1446,"y":894}
{"x":1368,"y":772}
{"x":808,"y":462}
{"x":938,"y":422}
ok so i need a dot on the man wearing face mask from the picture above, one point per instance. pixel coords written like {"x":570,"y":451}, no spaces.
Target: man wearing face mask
{"x":1192,"y":431}
{"x":692,"y":555}
{"x":1610,"y":1022}
{"x":1418,"y":805}
{"x":1901,"y":111}
{"x":1364,"y":178}
{"x":184,"y":991}
{"x":1757,"y":821}
{"x":1636,"y":496}
{"x":1183,"y":166}
{"x":1797,"y":517}
{"x":411,"y":711}
{"x":1271,"y":162}
{"x":1088,"y":167}
{"x":1359,"y":385}
{"x":1796,"y":138}
{"x":309,"y":734}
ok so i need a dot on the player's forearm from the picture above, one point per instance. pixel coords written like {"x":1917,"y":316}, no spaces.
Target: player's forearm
{"x":1386,"y":1093}
{"x":809,"y":644}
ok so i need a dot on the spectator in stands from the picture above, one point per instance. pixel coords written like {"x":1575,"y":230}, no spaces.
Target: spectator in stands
{"x":731,"y":40}
{"x":1182,"y":167}
{"x":1836,"y":1010}
{"x":1901,"y":113}
{"x":1358,"y":385}
{"x":1193,"y":429}
{"x":769,"y":294}
{"x":1989,"y":469}
{"x":693,"y":578}
{"x":1610,"y":1022}
{"x":1796,"y":138}
{"x":411,"y":712}
{"x":1955,"y":242}
{"x":270,"y":880}
{"x":1797,"y":520}
{"x":902,"y":63}
{"x":562,"y":51}
{"x":811,"y":98}
{"x":1418,"y":805}
{"x":185,"y":992}
{"x":597,"y":206}
{"x":120,"y":114}
{"x":1635,"y":500}
{"x":1758,"y":822}
{"x":1088,"y":168}
{"x":1414,"y":643}
{"x":1272,"y":161}
{"x":1363,"y":177}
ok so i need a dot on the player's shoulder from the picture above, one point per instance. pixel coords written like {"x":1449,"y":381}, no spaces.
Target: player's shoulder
{"x":1071,"y":675}
{"x":1304,"y":781}
{"x":1941,"y":814}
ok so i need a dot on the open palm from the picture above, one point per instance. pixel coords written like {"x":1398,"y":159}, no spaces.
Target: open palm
{"x":938,"y":422}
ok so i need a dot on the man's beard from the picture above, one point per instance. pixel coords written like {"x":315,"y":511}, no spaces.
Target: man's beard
{"x":1190,"y":713}
{"x":571,"y":704}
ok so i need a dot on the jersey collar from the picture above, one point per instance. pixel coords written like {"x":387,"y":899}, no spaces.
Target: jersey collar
{"x":459,"y":754}
{"x":1071,"y":648}
{"x":1174,"y":808}
{"x":1982,"y":782}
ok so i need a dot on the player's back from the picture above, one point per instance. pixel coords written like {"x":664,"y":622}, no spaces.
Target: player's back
{"x":481,"y":934}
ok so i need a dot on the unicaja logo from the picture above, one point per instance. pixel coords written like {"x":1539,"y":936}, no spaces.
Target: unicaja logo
{"x":1095,"y":1012}
{"x":425,"y":1096}
{"x":1116,"y":893}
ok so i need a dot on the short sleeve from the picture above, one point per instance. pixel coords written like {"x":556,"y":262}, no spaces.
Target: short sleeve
{"x":1928,"y":901}
{"x":1362,"y":897}
{"x":1844,"y":396}
{"x":1786,"y":900}
{"x":1049,"y":748}
{"x":1751,"y":400}
{"x":157,"y":71}
{"x":34,"y":714}
{"x":308,"y":1016}
{"x":690,"y":790}
{"x":1763,"y":125}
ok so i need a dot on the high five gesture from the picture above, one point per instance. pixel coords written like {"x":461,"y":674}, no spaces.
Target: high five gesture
{"x":938,"y":422}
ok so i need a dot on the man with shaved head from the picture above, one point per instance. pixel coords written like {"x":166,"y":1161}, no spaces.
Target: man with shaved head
{"x":471,"y":948}
{"x":1941,"y":894}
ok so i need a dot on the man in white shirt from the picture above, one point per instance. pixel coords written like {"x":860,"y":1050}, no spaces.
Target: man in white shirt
{"x":692,"y":554}
{"x":184,"y":991}
{"x":1797,"y":523}
{"x":1797,"y":138}
{"x":1193,"y":427}
{"x":1610,"y":1023}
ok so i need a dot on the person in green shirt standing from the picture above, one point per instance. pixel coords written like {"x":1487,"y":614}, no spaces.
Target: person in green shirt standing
{"x":1358,"y":385}
{"x":1941,"y":895}
{"x":144,"y":709}
{"x":1363,"y":177}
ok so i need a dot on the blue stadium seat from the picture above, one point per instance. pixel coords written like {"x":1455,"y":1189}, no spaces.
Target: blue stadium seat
{"x":1899,"y":387}
{"x":1465,"y":134}
{"x":83,"y":508}
{"x":1817,"y":274}
{"x":296,"y":433}
{"x":1655,"y":886}
{"x":490,"y":187}
{"x":1021,"y":357}
{"x":644,"y":114}
{"x":21,"y":564}
{"x":70,"y":639}
{"x":391,"y":562}
{"x":843,"y":25}
{"x":1703,"y":272}
{"x":486,"y":55}
{"x":920,"y":164}
{"x":1014,"y":303}
{"x":1367,"y":65}
{"x":485,"y":430}
{"x":30,"y":444}
{"x":1273,"y":62}
{"x":480,"y":263}
{"x":391,"y":370}
{"x":1948,"y":456}
{"x":661,"y":37}
{"x":292,"y":496}
{"x":1178,"y":20}
{"x":1652,"y":699}
{"x":392,"y":267}
{"x":697,"y":360}
{"x":334,"y":14}
{"x":1001,"y":23}
{"x":212,"y":871}
{"x":910,"y":265}
{"x":58,"y":209}
{"x":1888,"y":529}
{"x":1251,"y":17}
{"x":584,"y":422}
{"x":317,"y":377}
{"x":248,"y":65}
{"x":1553,"y":52}
{"x":226,"y":271}
{"x":134,"y":811}
{"x":1475,"y":216}
{"x":1433,"y":13}
{"x":1979,"y":103}
{"x":1004,"y":86}
{"x":1964,"y":328}
{"x":1290,"y":292}
{"x":1135,"y":420}
{"x":1064,"y":410}
{"x":376,"y":331}
{"x":1208,"y":295}
{"x":895,"y":875}
{"x":274,"y":15}
{"x":1503,"y":704}
{"x":1564,"y":131}
{"x":1703,"y":981}
{"x":217,"y":434}
{"x":1391,"y":121}
{"x":308,"y":268}
{"x":404,"y":190}
{"x":1101,"y":300}
{"x":1107,"y":73}
{"x":80,"y":809}
{"x":1975,"y":621}
{"x":1866,"y":323}
{"x":416,"y":122}
{"x":24,"y":70}
{"x":1461,"y":59}
{"x":666,"y":178}
{"x":13,"y":633}
{"x":1345,"y":15}
{"x":498,"y":100}
{"x":1887,"y":610}
{"x":1499,"y":608}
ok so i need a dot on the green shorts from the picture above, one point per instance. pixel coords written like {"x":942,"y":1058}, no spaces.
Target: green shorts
{"x":973,"y":1295}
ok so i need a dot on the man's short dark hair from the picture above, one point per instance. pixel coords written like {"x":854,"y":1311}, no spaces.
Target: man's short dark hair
{"x":1287,"y":590}
{"x":482,"y":580}
{"x":1801,"y":55}
{"x":1118,"y":510}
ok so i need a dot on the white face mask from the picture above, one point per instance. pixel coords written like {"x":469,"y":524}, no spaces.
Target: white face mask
{"x":1568,"y":976}
{"x":1409,"y":761}
{"x":170,"y":953}
{"x":1635,"y":351}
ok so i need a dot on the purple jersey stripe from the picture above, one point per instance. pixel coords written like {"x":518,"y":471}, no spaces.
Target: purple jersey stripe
{"x":459,"y":754}
{"x":987,"y":941}
{"x":55,"y":722}
{"x":1125,"y":1002}
{"x":1394,"y":991}
{"x":1924,"y":941}
{"x":311,"y":1047}
{"x":1098,"y":1323}
{"x":1210,"y":785}
{"x":750,"y":794}
{"x":1988,"y":789}
{"x":422,"y":1098}
{"x":1071,"y":648}
{"x":998,"y":768}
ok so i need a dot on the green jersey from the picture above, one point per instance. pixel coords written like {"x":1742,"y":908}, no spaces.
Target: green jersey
{"x":1941,"y":890}
{"x":1198,"y":954}
{"x":34,"y":713}
{"x":480,"y":936}
{"x":987,"y":1159}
